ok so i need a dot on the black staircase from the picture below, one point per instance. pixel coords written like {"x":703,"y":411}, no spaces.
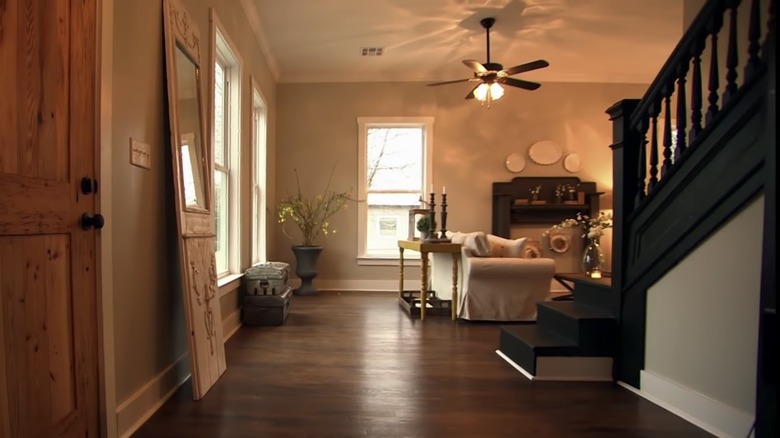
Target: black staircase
{"x":582,"y":328}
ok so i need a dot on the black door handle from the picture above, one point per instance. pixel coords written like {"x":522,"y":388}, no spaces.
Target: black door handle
{"x":96,"y":221}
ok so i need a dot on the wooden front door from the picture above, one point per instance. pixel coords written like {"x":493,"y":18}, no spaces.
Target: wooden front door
{"x":48,"y":289}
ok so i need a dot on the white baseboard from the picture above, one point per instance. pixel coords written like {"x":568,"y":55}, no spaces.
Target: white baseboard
{"x":378,"y":285}
{"x":359,"y":285}
{"x":231,"y":324}
{"x":711,"y":415}
{"x":522,"y":370}
{"x":139,"y":407}
{"x":567,"y":368}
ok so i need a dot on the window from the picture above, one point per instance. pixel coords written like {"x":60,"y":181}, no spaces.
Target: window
{"x":259,"y":138}
{"x":395,"y":167}
{"x":225,"y":132}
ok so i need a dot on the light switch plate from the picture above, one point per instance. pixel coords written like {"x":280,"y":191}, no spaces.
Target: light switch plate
{"x":140,"y":154}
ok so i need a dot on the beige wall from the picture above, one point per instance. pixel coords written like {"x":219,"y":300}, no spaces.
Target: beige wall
{"x":318,"y":130}
{"x":705,"y":341}
{"x":148,"y":315}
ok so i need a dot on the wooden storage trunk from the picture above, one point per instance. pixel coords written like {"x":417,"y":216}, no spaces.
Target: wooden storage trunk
{"x":268,"y":278}
{"x":266,"y":309}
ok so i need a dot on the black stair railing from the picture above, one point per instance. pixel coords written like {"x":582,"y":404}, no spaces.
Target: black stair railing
{"x":685,"y":156}
{"x":683,"y":75}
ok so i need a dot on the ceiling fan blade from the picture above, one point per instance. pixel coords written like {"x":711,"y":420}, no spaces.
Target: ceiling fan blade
{"x":541,"y":63}
{"x":519,"y":83}
{"x":471,"y":93}
{"x":450,"y":82}
{"x":475,"y":65}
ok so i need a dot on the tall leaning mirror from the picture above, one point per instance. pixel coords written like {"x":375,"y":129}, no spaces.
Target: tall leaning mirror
{"x":192,"y":188}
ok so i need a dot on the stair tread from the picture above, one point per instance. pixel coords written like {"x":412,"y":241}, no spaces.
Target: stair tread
{"x":577,"y":310}
{"x":536,"y":337}
{"x":544,"y":342}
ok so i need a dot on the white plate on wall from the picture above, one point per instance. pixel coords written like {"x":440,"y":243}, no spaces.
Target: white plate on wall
{"x":515,"y":162}
{"x":572,"y":163}
{"x":545,"y":152}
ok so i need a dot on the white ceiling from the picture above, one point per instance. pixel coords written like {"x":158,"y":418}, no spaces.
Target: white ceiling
{"x":425,"y":40}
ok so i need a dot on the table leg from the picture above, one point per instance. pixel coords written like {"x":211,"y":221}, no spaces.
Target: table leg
{"x":424,"y":285}
{"x":454,"y":304}
{"x":401,"y":273}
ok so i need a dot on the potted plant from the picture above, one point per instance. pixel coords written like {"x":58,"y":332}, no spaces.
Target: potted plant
{"x":535,"y":193}
{"x":425,"y":227}
{"x":310,"y":215}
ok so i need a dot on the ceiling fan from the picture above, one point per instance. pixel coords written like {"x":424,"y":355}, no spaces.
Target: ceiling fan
{"x":491,"y":74}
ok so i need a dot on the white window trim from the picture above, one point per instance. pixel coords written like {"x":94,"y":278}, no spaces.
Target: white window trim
{"x":221,"y":46}
{"x":411,"y":258}
{"x":259,"y":247}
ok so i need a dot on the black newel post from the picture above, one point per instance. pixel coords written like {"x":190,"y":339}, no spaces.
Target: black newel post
{"x":625,"y":177}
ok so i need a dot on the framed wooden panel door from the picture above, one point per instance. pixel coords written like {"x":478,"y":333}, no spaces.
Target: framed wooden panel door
{"x":48,"y":286}
{"x":192,"y":187}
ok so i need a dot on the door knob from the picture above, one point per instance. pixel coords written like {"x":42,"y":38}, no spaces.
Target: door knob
{"x":97,"y":221}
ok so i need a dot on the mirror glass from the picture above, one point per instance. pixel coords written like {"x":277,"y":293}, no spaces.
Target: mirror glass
{"x":190,"y":143}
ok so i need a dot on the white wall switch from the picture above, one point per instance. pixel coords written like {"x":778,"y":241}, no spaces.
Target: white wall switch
{"x":140,"y":154}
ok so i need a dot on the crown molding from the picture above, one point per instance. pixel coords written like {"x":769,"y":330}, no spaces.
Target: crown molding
{"x":250,"y":9}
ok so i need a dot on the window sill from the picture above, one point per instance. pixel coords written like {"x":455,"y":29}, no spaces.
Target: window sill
{"x":226,"y":280}
{"x":386,"y":261}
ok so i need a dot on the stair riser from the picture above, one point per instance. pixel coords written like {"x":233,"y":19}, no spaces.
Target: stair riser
{"x":595,"y":296}
{"x":594,"y":335}
{"x":519,"y":352}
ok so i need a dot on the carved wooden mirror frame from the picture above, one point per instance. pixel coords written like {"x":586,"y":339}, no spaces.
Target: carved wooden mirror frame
{"x":194,"y":205}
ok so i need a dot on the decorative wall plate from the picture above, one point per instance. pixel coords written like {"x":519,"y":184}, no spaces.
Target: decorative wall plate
{"x":515,"y":162}
{"x":532,"y":253}
{"x":545,"y":152}
{"x":572,"y":162}
{"x":532,"y":249}
{"x":559,"y":243}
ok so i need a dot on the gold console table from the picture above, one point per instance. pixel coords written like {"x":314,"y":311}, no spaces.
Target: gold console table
{"x":424,"y":248}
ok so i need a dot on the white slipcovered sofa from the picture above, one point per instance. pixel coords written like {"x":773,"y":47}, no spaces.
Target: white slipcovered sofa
{"x":498,"y":279}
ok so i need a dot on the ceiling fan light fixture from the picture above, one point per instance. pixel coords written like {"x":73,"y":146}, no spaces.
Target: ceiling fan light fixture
{"x":491,"y":73}
{"x":496,"y":91}
{"x":481,"y":92}
{"x":488,"y":92}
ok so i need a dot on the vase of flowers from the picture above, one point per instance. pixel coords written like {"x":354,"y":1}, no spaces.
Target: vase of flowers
{"x":593,"y":259}
{"x":592,"y":230}
{"x":310,"y":215}
{"x":560,"y":189}
{"x":535,"y":193}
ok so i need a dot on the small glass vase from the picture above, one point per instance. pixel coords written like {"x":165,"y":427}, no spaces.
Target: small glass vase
{"x":593,"y":259}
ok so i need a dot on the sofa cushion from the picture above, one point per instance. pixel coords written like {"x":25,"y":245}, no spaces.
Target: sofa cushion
{"x":475,"y":242}
{"x":501,"y":247}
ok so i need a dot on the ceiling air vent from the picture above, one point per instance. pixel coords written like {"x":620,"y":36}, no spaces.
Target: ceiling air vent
{"x":371,"y":51}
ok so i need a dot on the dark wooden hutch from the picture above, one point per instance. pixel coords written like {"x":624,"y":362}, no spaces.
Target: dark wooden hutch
{"x":512,"y":202}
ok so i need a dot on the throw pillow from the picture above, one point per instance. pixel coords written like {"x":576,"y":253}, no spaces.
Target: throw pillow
{"x":475,"y":242}
{"x":501,"y":247}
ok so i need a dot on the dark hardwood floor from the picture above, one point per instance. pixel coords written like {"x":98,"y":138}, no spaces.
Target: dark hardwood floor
{"x":355,"y":365}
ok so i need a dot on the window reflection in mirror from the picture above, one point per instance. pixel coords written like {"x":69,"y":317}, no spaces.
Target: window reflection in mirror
{"x":189,"y":125}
